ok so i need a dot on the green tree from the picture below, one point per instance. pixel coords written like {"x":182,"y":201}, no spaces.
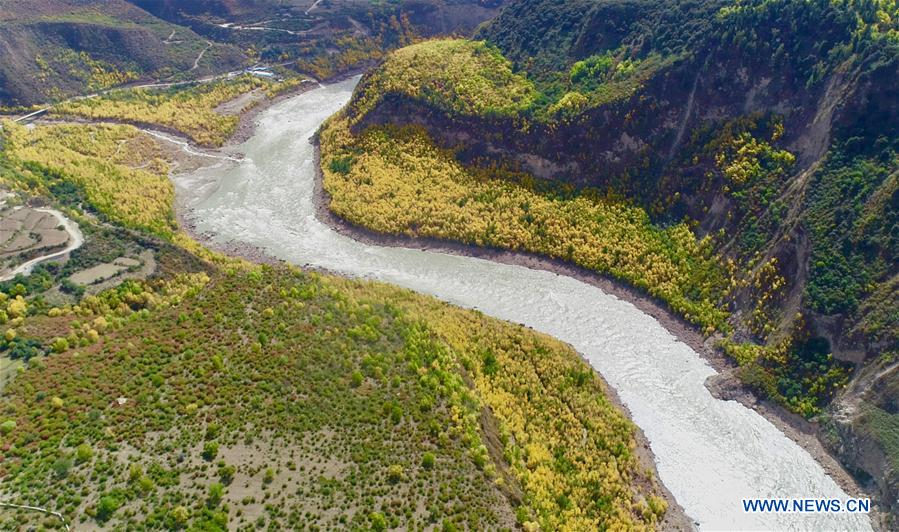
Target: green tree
{"x":216,"y":492}
{"x":210,"y":451}
{"x":107,"y":506}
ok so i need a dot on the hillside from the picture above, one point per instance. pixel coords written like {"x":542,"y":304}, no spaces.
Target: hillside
{"x":762,"y":133}
{"x":54,"y":49}
{"x":150,"y":383}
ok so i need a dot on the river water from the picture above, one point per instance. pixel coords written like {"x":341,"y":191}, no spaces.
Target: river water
{"x":710,"y":453}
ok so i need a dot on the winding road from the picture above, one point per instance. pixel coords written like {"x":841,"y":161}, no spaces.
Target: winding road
{"x":76,"y":239}
{"x":710,"y":453}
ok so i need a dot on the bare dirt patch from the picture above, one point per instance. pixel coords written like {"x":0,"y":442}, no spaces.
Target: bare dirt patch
{"x":241,"y":103}
{"x":108,"y":274}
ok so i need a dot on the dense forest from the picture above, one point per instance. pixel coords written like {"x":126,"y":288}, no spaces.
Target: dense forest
{"x":763,"y":134}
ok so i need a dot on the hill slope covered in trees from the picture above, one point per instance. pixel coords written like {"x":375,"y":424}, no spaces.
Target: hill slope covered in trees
{"x":216,"y":394}
{"x":770,"y":129}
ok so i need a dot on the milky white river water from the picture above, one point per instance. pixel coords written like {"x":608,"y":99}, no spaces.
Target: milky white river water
{"x":710,"y":453}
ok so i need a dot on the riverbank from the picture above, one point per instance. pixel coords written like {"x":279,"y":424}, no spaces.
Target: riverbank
{"x":725,"y":385}
{"x":247,"y":124}
{"x":294,"y":218}
{"x":675,"y":518}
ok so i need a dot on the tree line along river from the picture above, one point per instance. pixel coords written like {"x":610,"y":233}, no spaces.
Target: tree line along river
{"x":710,"y":453}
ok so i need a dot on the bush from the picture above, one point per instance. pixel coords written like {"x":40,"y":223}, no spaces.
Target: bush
{"x":427,"y":460}
{"x":341,"y":165}
{"x":226,"y":473}
{"x":210,"y":451}
{"x":378,"y":521}
{"x":395,"y":473}
{"x":83,"y":453}
{"x":62,"y":466}
{"x":146,"y":484}
{"x":59,"y":345}
{"x":107,"y":506}
{"x":72,"y":288}
{"x":24,"y":348}
{"x":216,"y":492}
{"x":7,"y":426}
{"x":180,"y":515}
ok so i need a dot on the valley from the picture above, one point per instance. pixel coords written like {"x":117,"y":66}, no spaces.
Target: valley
{"x":447,"y":264}
{"x":685,"y":425}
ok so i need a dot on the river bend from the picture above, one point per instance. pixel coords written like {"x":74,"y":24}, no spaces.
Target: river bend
{"x":710,"y":453}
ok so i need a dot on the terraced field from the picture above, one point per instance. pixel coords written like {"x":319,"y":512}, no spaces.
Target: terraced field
{"x":29,"y":236}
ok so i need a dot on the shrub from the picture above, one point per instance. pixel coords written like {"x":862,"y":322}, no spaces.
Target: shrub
{"x":72,"y":288}
{"x":427,"y":460}
{"x":226,"y":473}
{"x":180,"y":515}
{"x":83,"y":453}
{"x":216,"y":492}
{"x":396,"y":414}
{"x":146,"y":484}
{"x":490,"y":365}
{"x":341,"y":165}
{"x":395,"y":473}
{"x":107,"y":506}
{"x":59,"y":345}
{"x":378,"y":521}
{"x":62,"y":466}
{"x":210,"y":451}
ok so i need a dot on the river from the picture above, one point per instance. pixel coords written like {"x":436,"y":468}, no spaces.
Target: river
{"x":710,"y":453}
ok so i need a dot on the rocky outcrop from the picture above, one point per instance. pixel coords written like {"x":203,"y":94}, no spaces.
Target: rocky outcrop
{"x":859,"y":424}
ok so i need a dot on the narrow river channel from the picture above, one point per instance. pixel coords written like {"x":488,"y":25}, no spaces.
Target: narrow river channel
{"x":710,"y":453}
